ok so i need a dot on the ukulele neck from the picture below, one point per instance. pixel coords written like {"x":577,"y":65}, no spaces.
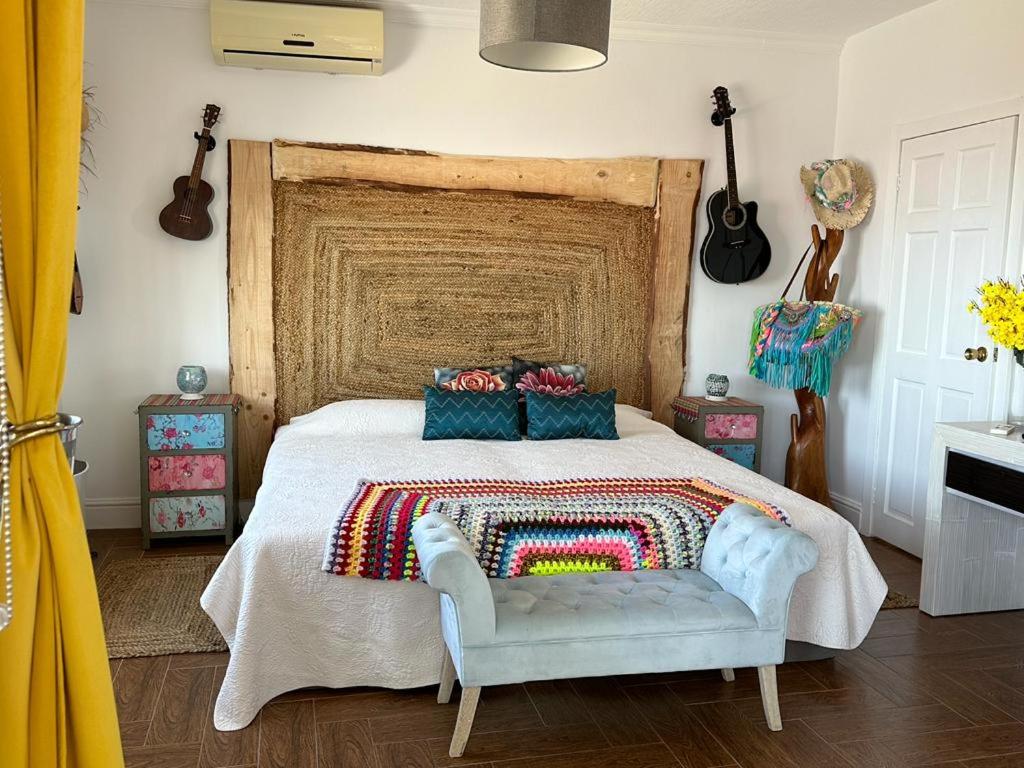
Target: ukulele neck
{"x":197,"y":164}
{"x":730,"y":161}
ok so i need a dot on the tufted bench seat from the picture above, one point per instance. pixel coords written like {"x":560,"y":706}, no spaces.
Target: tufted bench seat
{"x":536,"y":609}
{"x":730,"y":613}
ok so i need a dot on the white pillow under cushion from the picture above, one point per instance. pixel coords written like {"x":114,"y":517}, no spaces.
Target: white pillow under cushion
{"x":399,"y":417}
{"x":363,"y":417}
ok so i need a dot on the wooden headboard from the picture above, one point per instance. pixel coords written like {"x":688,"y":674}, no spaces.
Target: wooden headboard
{"x":353,"y":270}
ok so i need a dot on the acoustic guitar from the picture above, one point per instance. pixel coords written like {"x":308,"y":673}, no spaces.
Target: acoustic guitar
{"x":735,"y":249}
{"x":187,"y":216}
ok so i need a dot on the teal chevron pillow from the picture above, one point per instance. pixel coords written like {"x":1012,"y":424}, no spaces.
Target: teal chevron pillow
{"x":553,"y":417}
{"x":471,"y":415}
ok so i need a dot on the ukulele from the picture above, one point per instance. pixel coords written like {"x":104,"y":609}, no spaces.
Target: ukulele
{"x":735,"y":249}
{"x":187,"y":215}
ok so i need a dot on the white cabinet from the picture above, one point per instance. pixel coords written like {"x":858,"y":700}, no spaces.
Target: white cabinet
{"x":974,"y":529}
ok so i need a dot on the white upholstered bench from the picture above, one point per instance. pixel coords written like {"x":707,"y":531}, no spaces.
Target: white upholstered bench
{"x":730,"y":613}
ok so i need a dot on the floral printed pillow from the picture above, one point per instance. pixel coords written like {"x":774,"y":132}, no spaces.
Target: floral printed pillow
{"x":548,"y":381}
{"x":549,"y":378}
{"x":546,"y":378}
{"x":495,"y":379}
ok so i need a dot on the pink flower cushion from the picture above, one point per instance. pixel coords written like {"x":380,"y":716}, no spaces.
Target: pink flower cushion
{"x":474,"y":381}
{"x":561,"y":378}
{"x":549,"y":382}
{"x":496,"y":379}
{"x":546,"y":378}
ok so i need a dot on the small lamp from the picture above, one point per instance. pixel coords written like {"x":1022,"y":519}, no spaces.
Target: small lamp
{"x":545,"y":35}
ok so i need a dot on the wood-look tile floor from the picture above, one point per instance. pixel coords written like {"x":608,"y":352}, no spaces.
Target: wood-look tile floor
{"x":919,"y":692}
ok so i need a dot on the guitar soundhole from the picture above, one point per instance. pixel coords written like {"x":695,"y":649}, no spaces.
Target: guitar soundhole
{"x":735,"y":218}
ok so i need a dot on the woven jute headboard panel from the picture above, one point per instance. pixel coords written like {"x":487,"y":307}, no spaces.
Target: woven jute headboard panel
{"x":354,"y":271}
{"x":374,"y":288}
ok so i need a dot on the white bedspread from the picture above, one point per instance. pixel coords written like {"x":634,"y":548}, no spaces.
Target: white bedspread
{"x":290,"y":625}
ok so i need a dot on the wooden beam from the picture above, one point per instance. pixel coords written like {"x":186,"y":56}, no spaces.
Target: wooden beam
{"x":678,"y":194}
{"x":250,"y":304}
{"x":629,"y":181}
{"x":671,"y":186}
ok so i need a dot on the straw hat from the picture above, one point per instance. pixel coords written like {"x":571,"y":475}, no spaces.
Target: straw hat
{"x":840,"y":191}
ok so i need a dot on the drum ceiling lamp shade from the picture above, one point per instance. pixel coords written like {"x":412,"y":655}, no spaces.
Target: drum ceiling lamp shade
{"x":545,"y":35}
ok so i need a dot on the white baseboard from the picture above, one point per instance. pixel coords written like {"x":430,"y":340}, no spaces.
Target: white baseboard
{"x":848,"y":508}
{"x":111,"y":513}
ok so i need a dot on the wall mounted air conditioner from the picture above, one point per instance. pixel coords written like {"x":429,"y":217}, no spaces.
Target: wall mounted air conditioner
{"x":311,"y":38}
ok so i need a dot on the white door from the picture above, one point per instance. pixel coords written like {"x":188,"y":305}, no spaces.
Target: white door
{"x":951,"y":230}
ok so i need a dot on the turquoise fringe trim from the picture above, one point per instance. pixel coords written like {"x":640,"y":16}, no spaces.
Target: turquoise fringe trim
{"x":795,"y":344}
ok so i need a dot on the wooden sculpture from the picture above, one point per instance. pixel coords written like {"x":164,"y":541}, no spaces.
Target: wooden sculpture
{"x":805,"y":461}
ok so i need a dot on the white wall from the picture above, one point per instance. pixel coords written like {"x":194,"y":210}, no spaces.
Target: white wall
{"x":946,"y":57}
{"x":153,"y":302}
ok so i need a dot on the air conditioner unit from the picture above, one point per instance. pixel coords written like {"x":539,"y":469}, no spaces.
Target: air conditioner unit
{"x":311,"y":38}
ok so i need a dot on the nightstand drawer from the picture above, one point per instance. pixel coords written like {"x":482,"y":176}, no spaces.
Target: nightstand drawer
{"x":730,"y":426}
{"x":184,"y":431}
{"x":738,"y":453}
{"x":186,"y":513}
{"x":195,"y":472}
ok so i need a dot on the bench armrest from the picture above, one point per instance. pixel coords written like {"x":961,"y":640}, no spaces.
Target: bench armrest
{"x":758,"y":560}
{"x":448,"y":565}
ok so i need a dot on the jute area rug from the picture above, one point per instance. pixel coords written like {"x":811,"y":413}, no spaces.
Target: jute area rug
{"x":898,"y":600}
{"x":151,"y":606}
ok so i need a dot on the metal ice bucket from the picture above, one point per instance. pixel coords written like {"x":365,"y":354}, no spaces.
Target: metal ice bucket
{"x":69,"y":435}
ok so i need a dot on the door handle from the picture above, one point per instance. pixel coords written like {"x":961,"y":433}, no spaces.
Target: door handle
{"x":980,"y":354}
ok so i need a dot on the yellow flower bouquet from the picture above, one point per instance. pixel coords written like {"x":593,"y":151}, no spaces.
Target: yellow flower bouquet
{"x":1000,"y":305}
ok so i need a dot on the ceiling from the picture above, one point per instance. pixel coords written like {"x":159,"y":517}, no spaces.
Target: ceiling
{"x":829,"y":19}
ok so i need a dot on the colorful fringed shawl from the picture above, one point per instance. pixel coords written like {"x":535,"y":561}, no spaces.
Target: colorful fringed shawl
{"x":794,"y":344}
{"x":520,"y":528}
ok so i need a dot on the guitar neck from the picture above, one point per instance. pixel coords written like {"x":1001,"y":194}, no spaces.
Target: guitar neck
{"x":197,"y":164}
{"x":730,"y":160}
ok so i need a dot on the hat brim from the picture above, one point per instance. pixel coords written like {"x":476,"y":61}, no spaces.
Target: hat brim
{"x":841,"y":219}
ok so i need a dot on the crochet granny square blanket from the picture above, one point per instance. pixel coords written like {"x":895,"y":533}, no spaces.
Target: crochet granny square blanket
{"x":523,"y":528}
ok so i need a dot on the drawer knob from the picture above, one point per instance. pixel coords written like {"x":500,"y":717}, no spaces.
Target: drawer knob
{"x":187,"y":473}
{"x":186,"y":433}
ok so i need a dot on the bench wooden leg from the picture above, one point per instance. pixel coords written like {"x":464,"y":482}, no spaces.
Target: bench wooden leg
{"x":444,"y":692}
{"x":467,"y":709}
{"x":728,"y":674}
{"x":770,"y":696}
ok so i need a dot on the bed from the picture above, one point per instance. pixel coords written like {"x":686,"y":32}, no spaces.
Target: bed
{"x":289,"y":625}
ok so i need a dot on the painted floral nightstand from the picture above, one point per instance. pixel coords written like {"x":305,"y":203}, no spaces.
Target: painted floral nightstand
{"x":731,"y":428}
{"x":187,"y":473}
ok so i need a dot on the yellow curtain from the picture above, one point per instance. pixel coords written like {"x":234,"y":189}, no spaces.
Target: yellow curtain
{"x":56,"y":698}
